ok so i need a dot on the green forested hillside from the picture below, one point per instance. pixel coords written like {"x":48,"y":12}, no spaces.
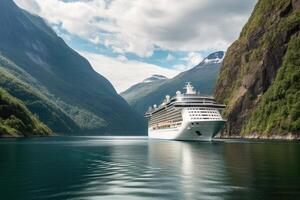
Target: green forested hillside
{"x":279,"y":110}
{"x":259,"y":78}
{"x":36,"y":101}
{"x":17,"y":120}
{"x":57,"y":83}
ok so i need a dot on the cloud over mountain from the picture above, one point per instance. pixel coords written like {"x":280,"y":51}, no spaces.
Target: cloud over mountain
{"x":139,"y":26}
{"x":124,"y":73}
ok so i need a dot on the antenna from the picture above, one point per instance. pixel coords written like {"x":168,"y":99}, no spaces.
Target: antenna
{"x":189,"y":88}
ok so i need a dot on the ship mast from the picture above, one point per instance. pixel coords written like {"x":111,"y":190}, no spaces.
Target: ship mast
{"x":189,"y":88}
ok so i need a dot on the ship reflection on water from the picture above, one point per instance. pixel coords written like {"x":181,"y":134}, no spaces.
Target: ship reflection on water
{"x":197,"y":168}
{"x":138,"y":168}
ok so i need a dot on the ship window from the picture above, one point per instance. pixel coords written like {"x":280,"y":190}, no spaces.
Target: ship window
{"x":198,"y":133}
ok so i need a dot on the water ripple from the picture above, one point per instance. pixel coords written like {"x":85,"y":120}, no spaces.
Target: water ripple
{"x":120,"y":168}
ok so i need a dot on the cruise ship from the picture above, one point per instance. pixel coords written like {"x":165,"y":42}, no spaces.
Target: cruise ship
{"x":188,"y":116}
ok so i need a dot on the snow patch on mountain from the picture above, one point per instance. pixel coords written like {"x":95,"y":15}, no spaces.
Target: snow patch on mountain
{"x":154,"y":77}
{"x":216,"y":60}
{"x":216,"y":57}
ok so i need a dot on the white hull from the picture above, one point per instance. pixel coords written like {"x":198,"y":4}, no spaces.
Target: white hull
{"x":190,"y":130}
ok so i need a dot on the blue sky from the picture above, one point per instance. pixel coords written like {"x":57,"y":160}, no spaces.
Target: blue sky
{"x":129,"y":40}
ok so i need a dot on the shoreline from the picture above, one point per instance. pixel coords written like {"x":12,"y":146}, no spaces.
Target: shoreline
{"x":23,"y":136}
{"x":288,"y":137}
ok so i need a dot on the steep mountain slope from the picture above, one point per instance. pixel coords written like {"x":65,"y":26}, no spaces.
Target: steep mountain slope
{"x":34,"y":55}
{"x":202,"y":76}
{"x":34,"y":99}
{"x":16,"y":120}
{"x":259,"y":79}
{"x":140,"y":90}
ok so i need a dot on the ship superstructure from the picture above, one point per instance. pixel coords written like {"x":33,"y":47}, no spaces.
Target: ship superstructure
{"x":188,"y":116}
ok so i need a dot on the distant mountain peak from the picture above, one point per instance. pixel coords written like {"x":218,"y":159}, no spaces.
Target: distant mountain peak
{"x":154,"y":77}
{"x":216,"y":57}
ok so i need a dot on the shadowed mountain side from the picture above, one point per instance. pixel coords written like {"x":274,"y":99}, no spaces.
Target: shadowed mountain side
{"x":62,"y":76}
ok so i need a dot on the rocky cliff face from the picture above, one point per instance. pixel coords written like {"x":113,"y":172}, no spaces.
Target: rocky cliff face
{"x":259,"y":78}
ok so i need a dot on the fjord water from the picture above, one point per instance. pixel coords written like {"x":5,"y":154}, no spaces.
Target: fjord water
{"x":138,"y":168}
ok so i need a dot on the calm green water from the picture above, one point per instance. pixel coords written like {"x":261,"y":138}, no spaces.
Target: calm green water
{"x":137,"y":168}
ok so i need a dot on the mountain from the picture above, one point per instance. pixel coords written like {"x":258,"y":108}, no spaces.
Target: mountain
{"x":155,"y":78}
{"x":11,"y":78}
{"x":55,"y":82}
{"x":140,"y":90}
{"x":260,"y":75}
{"x":203,"y":77}
{"x":17,"y":120}
{"x":214,"y":58}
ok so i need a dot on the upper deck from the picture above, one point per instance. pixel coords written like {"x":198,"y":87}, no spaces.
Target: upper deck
{"x":190,"y":99}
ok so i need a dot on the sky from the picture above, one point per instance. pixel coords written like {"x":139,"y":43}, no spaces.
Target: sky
{"x":129,"y":40}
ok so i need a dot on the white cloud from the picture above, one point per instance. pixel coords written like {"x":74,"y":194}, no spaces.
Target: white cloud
{"x":30,"y":5}
{"x":123,"y":73}
{"x":191,"y":60}
{"x":137,"y":26}
{"x":141,"y":26}
{"x":180,"y":67}
{"x":170,"y":57}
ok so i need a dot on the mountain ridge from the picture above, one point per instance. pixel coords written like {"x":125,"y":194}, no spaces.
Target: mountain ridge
{"x":154,"y":77}
{"x":216,"y":57}
{"x":37,"y":57}
{"x":203,"y":77}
